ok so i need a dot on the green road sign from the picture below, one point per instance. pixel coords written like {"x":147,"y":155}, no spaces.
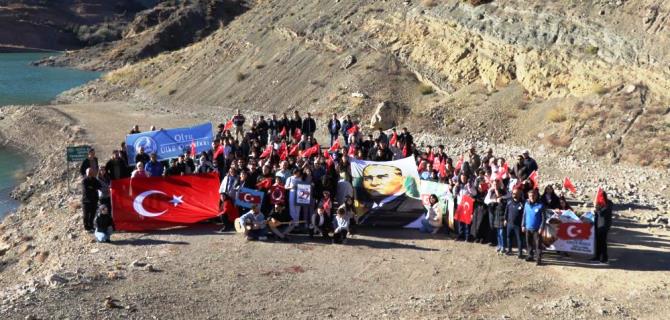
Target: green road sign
{"x":77,"y":153}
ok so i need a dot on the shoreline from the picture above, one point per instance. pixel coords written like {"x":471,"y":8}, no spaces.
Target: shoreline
{"x":17,"y":49}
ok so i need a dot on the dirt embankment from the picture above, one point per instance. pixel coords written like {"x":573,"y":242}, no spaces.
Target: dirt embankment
{"x":50,"y":268}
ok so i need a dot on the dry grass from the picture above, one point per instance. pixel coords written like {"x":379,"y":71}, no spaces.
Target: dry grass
{"x":600,"y":148}
{"x":429,"y":3}
{"x":599,"y":89}
{"x":556,"y":140}
{"x":426,"y":89}
{"x":557,"y":115}
{"x":119,"y":75}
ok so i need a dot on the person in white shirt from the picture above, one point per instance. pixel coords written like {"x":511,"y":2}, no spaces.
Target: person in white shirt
{"x":341,"y":225}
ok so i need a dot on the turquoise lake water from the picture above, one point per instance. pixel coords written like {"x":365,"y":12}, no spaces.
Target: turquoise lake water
{"x":22,"y":83}
{"x":12,"y":167}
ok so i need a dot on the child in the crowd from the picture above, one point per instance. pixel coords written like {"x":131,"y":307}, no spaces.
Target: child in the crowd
{"x":320,"y":223}
{"x":341,"y":225}
{"x":254,"y":225}
{"x":103,"y":224}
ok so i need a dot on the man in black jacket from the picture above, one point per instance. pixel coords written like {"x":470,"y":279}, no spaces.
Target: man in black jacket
{"x":89,"y":200}
{"x":603,"y":224}
{"x":262,"y":128}
{"x":91,"y":161}
{"x":295,"y":122}
{"x":308,"y":125}
{"x":334,"y":127}
{"x":115,"y":167}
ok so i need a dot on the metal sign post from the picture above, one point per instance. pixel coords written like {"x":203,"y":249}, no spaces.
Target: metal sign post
{"x":74,"y":154}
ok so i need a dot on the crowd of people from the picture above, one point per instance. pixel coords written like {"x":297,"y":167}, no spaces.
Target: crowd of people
{"x":509,"y":210}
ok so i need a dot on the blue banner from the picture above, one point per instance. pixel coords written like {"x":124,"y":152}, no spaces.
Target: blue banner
{"x":247,"y":198}
{"x":170,"y":143}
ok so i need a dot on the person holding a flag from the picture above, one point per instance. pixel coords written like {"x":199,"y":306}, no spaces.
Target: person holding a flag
{"x":603,"y":215}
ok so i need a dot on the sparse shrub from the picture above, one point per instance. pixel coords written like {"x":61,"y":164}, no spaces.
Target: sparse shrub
{"x":240,"y":76}
{"x":600,"y":149}
{"x":426,"y":89}
{"x":556,"y":140}
{"x":260,"y":66}
{"x":557,"y":115}
{"x":591,"y":49}
{"x":172,"y":91}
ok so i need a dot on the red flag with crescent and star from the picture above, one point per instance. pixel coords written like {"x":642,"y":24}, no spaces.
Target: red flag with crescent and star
{"x":465,"y":209}
{"x":140,"y":204}
{"x":277,"y":194}
{"x":574,"y":231}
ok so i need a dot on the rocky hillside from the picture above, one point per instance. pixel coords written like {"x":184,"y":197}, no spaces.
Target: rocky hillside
{"x":584,"y":77}
{"x":168,"y":26}
{"x":64,"y":24}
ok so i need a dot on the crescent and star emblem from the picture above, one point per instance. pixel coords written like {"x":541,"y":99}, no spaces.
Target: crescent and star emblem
{"x":571,"y":233}
{"x":248,"y":197}
{"x":139,"y":207}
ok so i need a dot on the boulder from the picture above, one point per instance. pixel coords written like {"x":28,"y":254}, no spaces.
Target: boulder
{"x":386,"y":116}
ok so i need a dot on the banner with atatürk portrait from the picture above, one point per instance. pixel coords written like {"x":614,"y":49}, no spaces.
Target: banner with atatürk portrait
{"x":387,"y":192}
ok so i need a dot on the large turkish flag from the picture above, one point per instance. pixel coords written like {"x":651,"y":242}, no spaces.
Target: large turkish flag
{"x":465,"y":209}
{"x":159,"y":202}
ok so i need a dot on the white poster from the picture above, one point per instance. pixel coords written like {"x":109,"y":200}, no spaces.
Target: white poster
{"x":303,"y":194}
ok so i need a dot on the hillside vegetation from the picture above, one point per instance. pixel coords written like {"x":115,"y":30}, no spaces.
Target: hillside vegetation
{"x":588,"y":77}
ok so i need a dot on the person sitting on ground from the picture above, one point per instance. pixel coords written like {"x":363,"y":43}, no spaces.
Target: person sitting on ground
{"x":254,"y":225}
{"x":341,"y":226}
{"x":280,"y":222}
{"x":103,"y":224}
{"x":320,"y":222}
{"x":432,"y":222}
{"x":350,"y":211}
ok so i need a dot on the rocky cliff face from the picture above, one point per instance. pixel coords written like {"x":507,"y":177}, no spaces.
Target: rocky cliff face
{"x":577,"y":76}
{"x":63,"y":24}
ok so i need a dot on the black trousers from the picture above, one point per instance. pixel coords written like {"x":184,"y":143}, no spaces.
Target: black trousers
{"x":516,"y":232}
{"x":340,"y":236}
{"x":533,"y":245}
{"x":601,"y":243}
{"x":89,"y":214}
